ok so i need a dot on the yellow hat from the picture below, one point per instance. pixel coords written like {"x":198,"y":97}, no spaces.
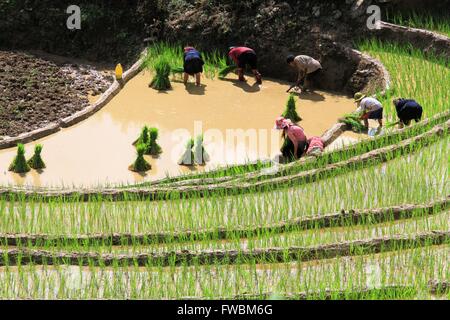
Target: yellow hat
{"x":359,"y":96}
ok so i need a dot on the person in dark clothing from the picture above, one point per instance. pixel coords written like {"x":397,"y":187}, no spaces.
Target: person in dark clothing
{"x":193,"y":65}
{"x":242,"y":57}
{"x":407,"y":110}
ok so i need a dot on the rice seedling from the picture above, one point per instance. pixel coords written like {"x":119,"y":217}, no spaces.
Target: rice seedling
{"x":177,"y":70}
{"x":200,"y":154}
{"x":224,"y":71}
{"x":173,"y":54}
{"x":404,"y":274}
{"x":140,"y":165}
{"x":19,"y":164}
{"x":353,"y":121}
{"x":143,"y":137}
{"x":188,"y":157}
{"x":36,"y":161}
{"x":161,"y":78}
{"x":153,"y":147}
{"x":290,"y":111}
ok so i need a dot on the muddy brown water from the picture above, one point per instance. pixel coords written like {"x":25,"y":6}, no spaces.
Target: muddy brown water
{"x":231,"y":115}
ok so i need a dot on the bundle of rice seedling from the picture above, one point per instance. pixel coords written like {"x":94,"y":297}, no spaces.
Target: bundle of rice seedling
{"x":391,"y":124}
{"x":200,"y":154}
{"x":153,"y":147}
{"x":287,"y":149}
{"x":140,"y":165}
{"x":223,"y":72}
{"x":291,"y":112}
{"x":161,"y":79}
{"x":143,"y":138}
{"x":36,"y":161}
{"x":353,"y":120}
{"x":187,"y":159}
{"x":19,"y":164}
{"x":177,"y":70}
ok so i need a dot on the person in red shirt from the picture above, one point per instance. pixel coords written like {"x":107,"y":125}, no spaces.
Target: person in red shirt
{"x":315,"y":146}
{"x":294,"y":133}
{"x":243,"y":56}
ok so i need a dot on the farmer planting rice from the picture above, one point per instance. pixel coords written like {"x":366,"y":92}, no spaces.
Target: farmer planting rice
{"x":307,"y":71}
{"x":369,"y":108}
{"x":193,"y":65}
{"x":242,"y":57}
{"x":294,"y":134}
{"x":407,"y":110}
{"x":315,"y":146}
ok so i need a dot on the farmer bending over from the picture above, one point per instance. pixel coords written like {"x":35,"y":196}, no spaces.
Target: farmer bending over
{"x":370,"y":108}
{"x":295,"y":134}
{"x":307,"y":69}
{"x":193,"y":65}
{"x":315,"y":146}
{"x":244,"y":56}
{"x":407,"y":110}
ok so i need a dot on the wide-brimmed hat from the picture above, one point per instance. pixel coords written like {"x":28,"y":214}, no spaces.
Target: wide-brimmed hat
{"x":281,"y":123}
{"x":359,"y":96}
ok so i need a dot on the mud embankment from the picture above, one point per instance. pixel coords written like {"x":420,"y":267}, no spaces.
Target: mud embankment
{"x":435,"y":287}
{"x":432,"y":43}
{"x":12,"y":257}
{"x":274,"y":28}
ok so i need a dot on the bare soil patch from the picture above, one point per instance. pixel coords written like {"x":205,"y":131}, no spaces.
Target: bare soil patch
{"x":35,"y":91}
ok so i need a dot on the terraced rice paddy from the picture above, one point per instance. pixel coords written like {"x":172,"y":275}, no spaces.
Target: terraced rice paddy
{"x":369,"y":221}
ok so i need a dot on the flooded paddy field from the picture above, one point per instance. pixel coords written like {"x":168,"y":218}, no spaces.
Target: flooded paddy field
{"x":237,"y":120}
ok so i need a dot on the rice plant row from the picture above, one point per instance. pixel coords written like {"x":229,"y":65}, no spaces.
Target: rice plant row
{"x":422,"y":177}
{"x":414,"y":269}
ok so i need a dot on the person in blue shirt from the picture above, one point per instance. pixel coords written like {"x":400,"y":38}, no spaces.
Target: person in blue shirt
{"x":193,"y":65}
{"x":407,"y":110}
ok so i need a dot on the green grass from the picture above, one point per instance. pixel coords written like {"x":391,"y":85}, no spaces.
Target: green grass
{"x":422,"y":21}
{"x":173,"y":54}
{"x":414,"y":75}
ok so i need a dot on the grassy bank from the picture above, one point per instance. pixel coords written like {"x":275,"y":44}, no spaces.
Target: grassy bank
{"x":419,"y":20}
